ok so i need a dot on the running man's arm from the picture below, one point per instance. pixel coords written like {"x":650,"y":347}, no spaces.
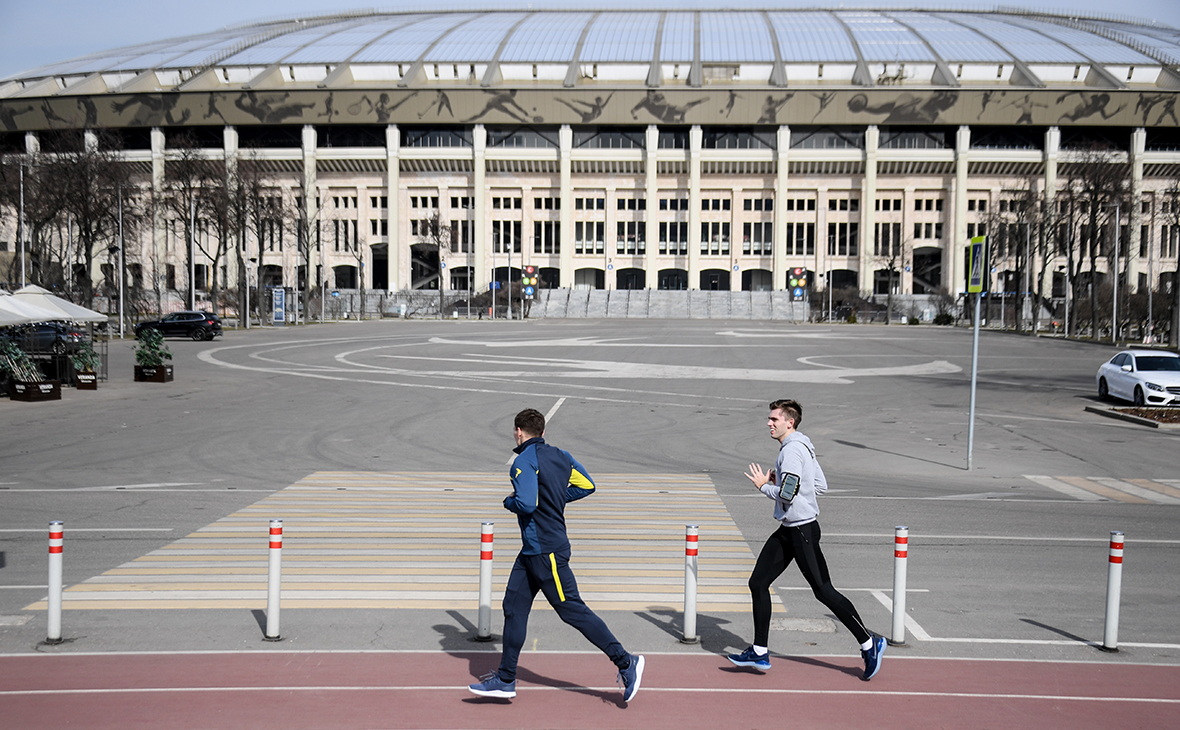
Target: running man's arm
{"x":581,"y":485}
{"x":523,"y":500}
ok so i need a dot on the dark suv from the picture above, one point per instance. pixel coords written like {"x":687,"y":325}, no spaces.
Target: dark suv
{"x":195,"y":325}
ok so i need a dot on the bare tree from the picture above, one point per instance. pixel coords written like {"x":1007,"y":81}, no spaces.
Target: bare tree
{"x":1097,"y":181}
{"x":188,"y":178}
{"x":435,"y":231}
{"x":891,"y":256}
{"x":305,"y":215}
{"x":87,"y":181}
{"x":1170,"y":215}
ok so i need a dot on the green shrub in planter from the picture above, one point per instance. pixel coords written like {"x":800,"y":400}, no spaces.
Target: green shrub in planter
{"x":913,"y":320}
{"x":15,"y":363}
{"x":151,"y":352}
{"x":86,"y":360}
{"x":944,"y":319}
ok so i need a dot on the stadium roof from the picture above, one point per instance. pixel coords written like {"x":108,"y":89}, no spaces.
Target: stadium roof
{"x":652,"y":48}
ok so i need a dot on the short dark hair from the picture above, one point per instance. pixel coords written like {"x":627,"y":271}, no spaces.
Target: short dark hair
{"x":531,"y":422}
{"x":790,"y":409}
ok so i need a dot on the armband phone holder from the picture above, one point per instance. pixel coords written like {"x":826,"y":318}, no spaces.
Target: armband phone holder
{"x":789,"y":488}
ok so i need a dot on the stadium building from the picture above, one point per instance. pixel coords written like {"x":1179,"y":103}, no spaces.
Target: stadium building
{"x":659,"y":150}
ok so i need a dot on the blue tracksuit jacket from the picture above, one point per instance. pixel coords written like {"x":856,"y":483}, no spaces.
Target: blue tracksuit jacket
{"x":544,"y":479}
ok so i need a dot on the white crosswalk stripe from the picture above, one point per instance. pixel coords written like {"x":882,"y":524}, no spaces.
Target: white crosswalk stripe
{"x":411,"y":540}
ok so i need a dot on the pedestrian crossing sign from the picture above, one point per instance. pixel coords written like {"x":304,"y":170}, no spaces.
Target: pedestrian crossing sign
{"x":977,"y":265}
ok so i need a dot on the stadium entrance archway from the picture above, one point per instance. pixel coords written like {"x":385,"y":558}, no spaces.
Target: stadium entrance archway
{"x":674,"y":279}
{"x":589,"y":279}
{"x":461,"y":278}
{"x":270,"y":275}
{"x":715,"y":280}
{"x":345,"y":277}
{"x":630,"y":279}
{"x":844,"y":279}
{"x":927,"y":270}
{"x":757,"y":280}
{"x":380,"y":265}
{"x":548,"y":277}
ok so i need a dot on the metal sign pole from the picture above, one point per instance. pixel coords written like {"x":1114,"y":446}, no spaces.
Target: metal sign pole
{"x":978,"y":264}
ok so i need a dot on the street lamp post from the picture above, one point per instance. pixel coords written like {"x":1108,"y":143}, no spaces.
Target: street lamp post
{"x":192,"y":257}
{"x":21,"y":225}
{"x":119,"y":190}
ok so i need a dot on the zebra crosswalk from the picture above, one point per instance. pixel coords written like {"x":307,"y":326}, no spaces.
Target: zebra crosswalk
{"x":1105,"y":489}
{"x":411,"y":540}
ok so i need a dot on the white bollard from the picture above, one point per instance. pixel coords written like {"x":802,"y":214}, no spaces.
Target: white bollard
{"x":691,"y":534}
{"x":274,"y":580}
{"x":53,"y":633}
{"x":1114,"y":589}
{"x":901,"y":551}
{"x":486,"y":544}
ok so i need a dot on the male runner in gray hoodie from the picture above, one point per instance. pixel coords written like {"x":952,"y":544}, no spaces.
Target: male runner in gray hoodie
{"x":793,"y":484}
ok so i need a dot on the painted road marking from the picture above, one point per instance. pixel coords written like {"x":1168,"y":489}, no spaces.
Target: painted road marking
{"x":612,"y":688}
{"x":404,"y":540}
{"x":1103,"y":489}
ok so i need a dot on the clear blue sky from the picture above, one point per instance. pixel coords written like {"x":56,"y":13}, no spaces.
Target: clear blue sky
{"x":36,"y":32}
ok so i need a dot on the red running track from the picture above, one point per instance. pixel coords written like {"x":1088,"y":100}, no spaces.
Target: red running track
{"x":376,"y":691}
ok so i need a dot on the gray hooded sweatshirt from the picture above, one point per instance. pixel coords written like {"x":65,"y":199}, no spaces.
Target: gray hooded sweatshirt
{"x":797,"y":456}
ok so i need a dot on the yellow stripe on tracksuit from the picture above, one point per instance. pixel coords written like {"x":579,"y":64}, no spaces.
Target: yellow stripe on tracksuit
{"x":553,"y":563}
{"x":580,"y":480}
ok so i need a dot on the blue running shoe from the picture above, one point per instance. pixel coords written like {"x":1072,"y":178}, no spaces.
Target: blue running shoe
{"x":491,"y":685}
{"x":749,"y":658}
{"x":631,"y":677}
{"x":873,"y":656}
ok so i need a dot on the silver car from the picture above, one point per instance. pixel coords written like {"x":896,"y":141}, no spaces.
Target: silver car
{"x":1144,"y":377}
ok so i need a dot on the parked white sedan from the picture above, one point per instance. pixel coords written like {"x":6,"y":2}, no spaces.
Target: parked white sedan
{"x":1144,"y":377}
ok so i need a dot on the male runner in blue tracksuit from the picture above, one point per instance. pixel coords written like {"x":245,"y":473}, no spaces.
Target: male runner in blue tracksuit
{"x":544,"y":479}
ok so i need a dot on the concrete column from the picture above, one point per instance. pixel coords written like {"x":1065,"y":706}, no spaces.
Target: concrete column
{"x":612,"y":238}
{"x":868,"y":208}
{"x":229,"y":144}
{"x":159,"y":232}
{"x":781,"y":193}
{"x":479,"y":144}
{"x":32,"y":143}
{"x":90,"y":140}
{"x":566,"y":260}
{"x":311,"y":210}
{"x":399,"y":252}
{"x":695,"y":138}
{"x":651,"y":193}
{"x":953,"y":267}
{"x":1135,"y":218}
{"x":823,"y":259}
{"x":1052,"y":155}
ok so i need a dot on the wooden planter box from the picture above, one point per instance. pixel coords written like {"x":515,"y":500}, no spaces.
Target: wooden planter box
{"x":32,"y":392}
{"x":86,"y":381}
{"x":161,"y":374}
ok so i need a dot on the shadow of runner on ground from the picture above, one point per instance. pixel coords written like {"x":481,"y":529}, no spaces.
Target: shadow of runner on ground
{"x":714,"y":639}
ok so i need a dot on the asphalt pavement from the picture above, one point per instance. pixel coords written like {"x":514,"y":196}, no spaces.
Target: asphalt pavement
{"x":1007,"y":560}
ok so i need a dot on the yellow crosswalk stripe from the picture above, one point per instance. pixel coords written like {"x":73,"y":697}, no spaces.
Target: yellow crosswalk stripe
{"x":411,"y":540}
{"x":1128,"y":490}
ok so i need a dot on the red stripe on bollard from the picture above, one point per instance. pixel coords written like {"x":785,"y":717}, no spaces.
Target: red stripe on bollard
{"x":276,"y":537}
{"x":690,"y":546}
{"x":901,"y":547}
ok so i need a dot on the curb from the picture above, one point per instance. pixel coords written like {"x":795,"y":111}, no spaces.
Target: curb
{"x":1113,"y":413}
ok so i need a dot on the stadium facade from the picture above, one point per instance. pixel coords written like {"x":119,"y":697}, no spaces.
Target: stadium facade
{"x":636,"y":149}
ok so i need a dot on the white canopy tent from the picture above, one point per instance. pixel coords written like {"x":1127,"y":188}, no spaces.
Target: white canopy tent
{"x":67,"y":310}
{"x":15,"y":311}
